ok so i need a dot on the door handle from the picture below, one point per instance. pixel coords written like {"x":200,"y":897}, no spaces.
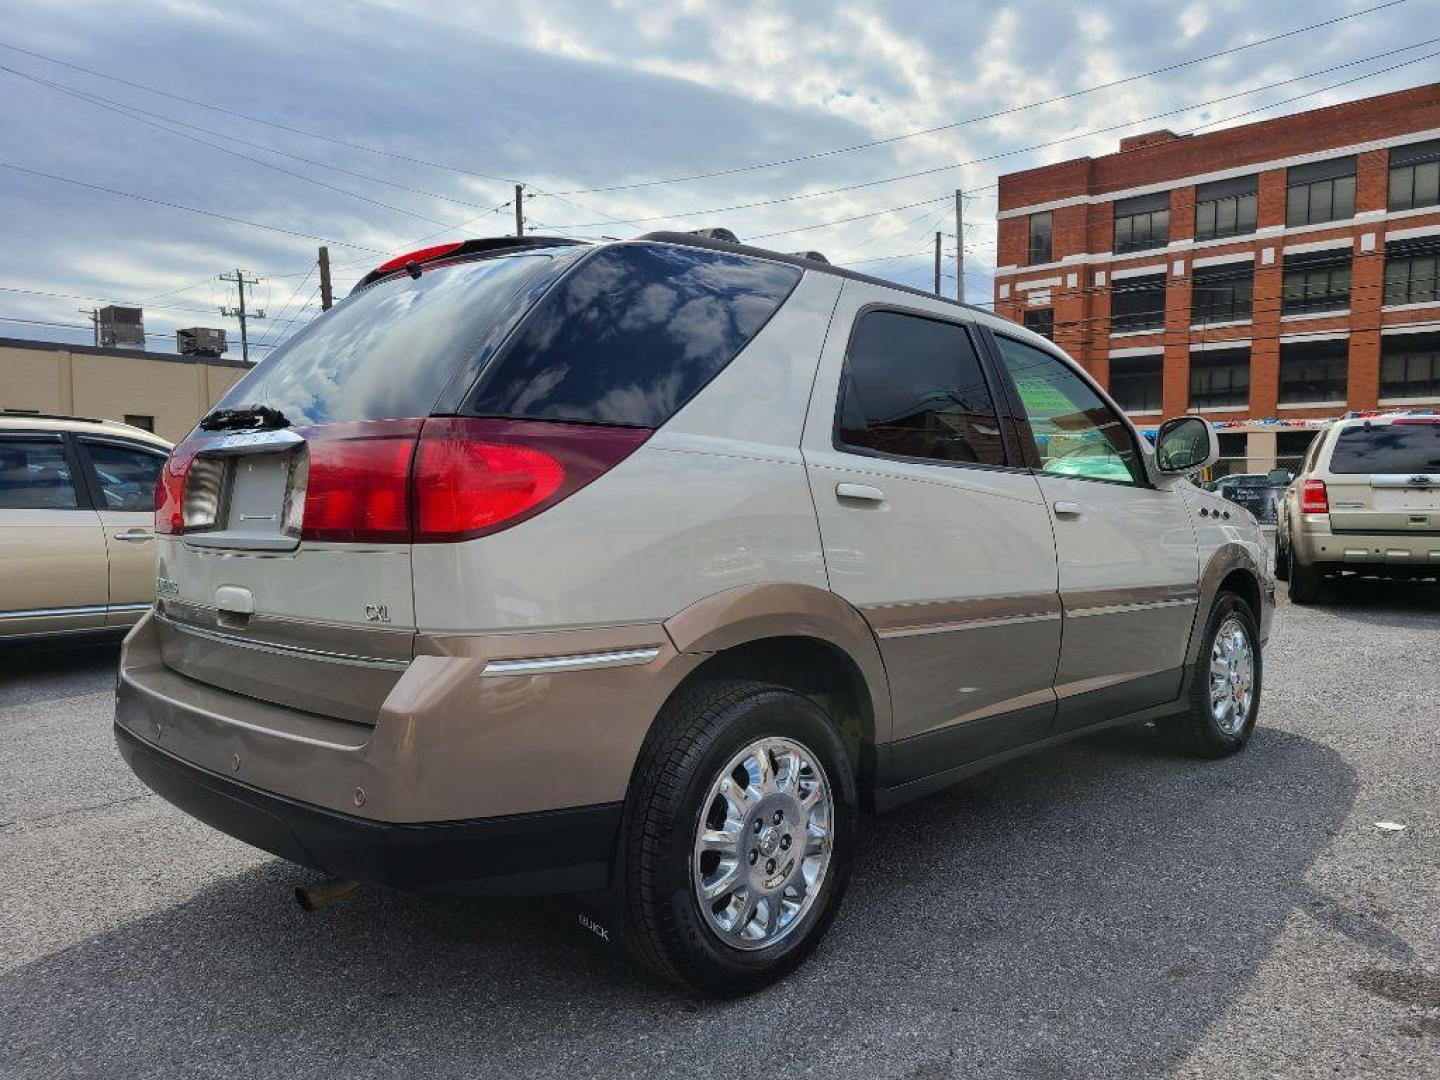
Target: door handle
{"x":1065,"y":508}
{"x":135,"y":536}
{"x":859,"y":492}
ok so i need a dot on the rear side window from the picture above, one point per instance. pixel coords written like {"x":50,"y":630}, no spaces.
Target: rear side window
{"x":631,"y":334}
{"x":34,"y":475}
{"x":127,"y":477}
{"x":387,"y":352}
{"x":913,"y":389}
{"x":1387,"y":448}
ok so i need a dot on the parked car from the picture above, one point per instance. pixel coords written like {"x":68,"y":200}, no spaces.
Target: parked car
{"x":1254,"y":491}
{"x":76,"y":524}
{"x":1367,"y":500}
{"x":638,"y":569}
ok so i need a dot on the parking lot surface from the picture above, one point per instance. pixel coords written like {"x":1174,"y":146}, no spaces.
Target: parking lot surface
{"x":1105,"y":909}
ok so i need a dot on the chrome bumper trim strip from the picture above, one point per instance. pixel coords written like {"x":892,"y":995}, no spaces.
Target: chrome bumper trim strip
{"x":546,"y":665}
{"x":292,"y":650}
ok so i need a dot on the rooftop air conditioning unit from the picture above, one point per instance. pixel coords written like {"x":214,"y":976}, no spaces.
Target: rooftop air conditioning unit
{"x":122,"y":326}
{"x":200,"y":341}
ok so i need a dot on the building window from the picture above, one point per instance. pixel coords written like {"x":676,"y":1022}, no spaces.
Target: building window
{"x":1313,"y":370}
{"x":1412,"y":271}
{"x":1415,"y":175}
{"x":1142,"y":222}
{"x":1291,"y":448}
{"x":1137,"y":303}
{"x":1410,"y":366}
{"x":1136,"y":382}
{"x":144,"y":423}
{"x":1042,"y":321}
{"x":1320,"y":191}
{"x":1040,"y":233}
{"x":1226,"y":207}
{"x":1316,"y":281}
{"x":1222,"y":293}
{"x":1220,"y":378}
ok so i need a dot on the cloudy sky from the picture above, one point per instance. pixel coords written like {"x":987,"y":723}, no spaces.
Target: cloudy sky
{"x":376,"y":125}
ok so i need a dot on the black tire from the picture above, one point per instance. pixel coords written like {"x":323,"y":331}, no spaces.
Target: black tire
{"x":1196,"y":731}
{"x":1304,"y":582}
{"x":1282,"y":559}
{"x":698,"y":732}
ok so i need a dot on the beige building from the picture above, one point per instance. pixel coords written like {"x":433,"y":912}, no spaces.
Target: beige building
{"x":162,"y":392}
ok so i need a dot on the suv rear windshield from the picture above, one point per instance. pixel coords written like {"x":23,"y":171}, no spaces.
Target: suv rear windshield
{"x":1387,"y":448}
{"x":631,"y":334}
{"x":387,"y":351}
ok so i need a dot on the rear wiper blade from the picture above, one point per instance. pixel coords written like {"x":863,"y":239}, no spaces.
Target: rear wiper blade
{"x":250,"y":418}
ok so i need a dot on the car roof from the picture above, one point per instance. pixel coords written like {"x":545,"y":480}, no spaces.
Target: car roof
{"x":12,"y":422}
{"x":1385,"y":419}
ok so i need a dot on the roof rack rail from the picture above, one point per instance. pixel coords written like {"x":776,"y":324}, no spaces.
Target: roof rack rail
{"x":806,"y":260}
{"x":56,"y":416}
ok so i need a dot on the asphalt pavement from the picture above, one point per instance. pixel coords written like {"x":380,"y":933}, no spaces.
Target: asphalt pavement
{"x":1105,"y":909}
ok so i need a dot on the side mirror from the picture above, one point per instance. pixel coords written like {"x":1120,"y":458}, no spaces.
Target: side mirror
{"x":1185,"y":445}
{"x":1280,"y":477}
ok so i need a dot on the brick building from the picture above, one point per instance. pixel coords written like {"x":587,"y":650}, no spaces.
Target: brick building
{"x":1284,"y":269}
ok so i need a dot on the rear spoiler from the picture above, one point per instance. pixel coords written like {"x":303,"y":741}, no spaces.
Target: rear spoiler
{"x":484,"y":245}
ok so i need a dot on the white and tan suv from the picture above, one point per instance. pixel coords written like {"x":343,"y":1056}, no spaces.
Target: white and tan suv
{"x":639,"y":569}
{"x":1366,"y":501}
{"x":77,"y":552}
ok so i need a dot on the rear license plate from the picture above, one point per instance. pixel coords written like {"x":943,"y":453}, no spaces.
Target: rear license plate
{"x":257,"y":494}
{"x":1403,"y":500}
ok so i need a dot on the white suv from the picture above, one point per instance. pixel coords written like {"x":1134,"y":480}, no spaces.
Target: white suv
{"x":1367,"y":501}
{"x":638,"y":569}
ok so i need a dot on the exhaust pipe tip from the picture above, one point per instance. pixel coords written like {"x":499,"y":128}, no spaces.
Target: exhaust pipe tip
{"x":324,"y":893}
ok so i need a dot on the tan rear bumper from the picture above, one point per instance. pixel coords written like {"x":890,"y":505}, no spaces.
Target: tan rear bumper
{"x":1315,"y":543}
{"x":451,"y":743}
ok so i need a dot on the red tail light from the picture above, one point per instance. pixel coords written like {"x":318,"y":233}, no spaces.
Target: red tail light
{"x":477,"y":476}
{"x":416,"y":256}
{"x":170,"y":489}
{"x":358,"y":487}
{"x":1314,"y":499}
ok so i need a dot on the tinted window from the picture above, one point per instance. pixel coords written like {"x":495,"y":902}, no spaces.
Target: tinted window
{"x":127,"y":477}
{"x":1387,"y":448}
{"x":913,"y":388}
{"x":1222,"y":293}
{"x":1041,"y":320}
{"x":388,"y":351}
{"x":1313,"y":370}
{"x":633,"y":333}
{"x":1220,"y":378}
{"x":1038,"y":250}
{"x":1136,"y":382}
{"x":1075,"y":432}
{"x":34,"y":475}
{"x":1137,"y":303}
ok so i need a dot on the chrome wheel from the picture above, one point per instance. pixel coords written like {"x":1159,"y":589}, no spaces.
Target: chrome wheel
{"x":1232,"y":677}
{"x":763,"y":843}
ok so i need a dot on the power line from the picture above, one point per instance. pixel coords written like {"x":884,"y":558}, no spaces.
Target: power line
{"x":122,"y":111}
{"x":135,"y":113}
{"x":259,"y":120}
{"x":983,"y":117}
{"x":188,"y":209}
{"x":1038,"y":146}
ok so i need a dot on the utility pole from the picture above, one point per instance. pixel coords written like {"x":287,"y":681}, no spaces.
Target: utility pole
{"x":239,"y":312}
{"x":519,"y":209}
{"x":959,"y":245}
{"x":326,"y":298}
{"x":93,"y":314}
{"x":937,"y":263}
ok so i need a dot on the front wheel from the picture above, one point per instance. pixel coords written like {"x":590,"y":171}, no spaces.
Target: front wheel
{"x":1224,"y":684}
{"x":739,"y":837}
